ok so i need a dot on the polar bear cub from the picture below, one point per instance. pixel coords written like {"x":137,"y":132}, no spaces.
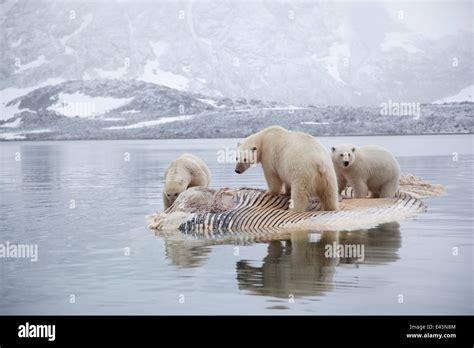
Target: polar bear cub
{"x":184,"y":172}
{"x":293,"y":160}
{"x":367,"y":169}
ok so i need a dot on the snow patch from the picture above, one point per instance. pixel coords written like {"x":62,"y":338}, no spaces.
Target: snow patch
{"x":162,"y":120}
{"x":337,"y":52}
{"x":10,"y":93}
{"x":112,"y":74}
{"x":84,"y":24}
{"x":130,"y":112}
{"x":31,"y":65}
{"x":153,"y":74}
{"x":314,"y":123}
{"x":12,"y":136}
{"x":13,"y":124}
{"x":113,"y":119}
{"x":210,"y":102}
{"x":10,"y":111}
{"x":280,"y":108}
{"x":81,"y":105}
{"x":465,"y":94}
{"x":21,"y":135}
{"x":401,"y":40}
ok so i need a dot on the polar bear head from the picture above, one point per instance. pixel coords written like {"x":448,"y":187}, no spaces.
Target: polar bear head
{"x":247,"y":154}
{"x":343,"y":155}
{"x":173,"y":188}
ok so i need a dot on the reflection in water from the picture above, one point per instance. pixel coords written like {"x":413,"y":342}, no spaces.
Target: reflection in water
{"x":381,"y":244}
{"x":302,"y":268}
{"x":185,"y":254}
{"x":295,"y":266}
{"x":299,"y":265}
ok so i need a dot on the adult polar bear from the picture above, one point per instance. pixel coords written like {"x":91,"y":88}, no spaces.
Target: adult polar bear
{"x":294,"y":160}
{"x":367,"y":169}
{"x":184,"y":172}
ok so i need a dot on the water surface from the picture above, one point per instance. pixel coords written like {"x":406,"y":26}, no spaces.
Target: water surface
{"x":84,"y":203}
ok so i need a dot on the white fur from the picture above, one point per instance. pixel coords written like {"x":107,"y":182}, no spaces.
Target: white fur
{"x":184,"y":172}
{"x":295,"y":161}
{"x":371,"y":169}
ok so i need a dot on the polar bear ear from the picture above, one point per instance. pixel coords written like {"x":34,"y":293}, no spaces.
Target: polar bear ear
{"x":353,"y":149}
{"x":333,"y":149}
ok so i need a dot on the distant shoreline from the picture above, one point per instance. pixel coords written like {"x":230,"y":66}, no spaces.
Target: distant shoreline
{"x":216,"y":138}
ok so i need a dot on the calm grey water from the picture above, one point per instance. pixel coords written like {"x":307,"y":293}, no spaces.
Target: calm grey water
{"x":85,"y":205}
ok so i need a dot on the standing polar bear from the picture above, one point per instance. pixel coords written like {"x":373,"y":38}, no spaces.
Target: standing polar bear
{"x":294,"y":160}
{"x":184,"y":172}
{"x":366,"y":169}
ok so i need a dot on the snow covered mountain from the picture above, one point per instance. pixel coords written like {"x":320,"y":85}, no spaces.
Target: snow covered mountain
{"x":465,"y":95}
{"x":108,"y":108}
{"x":130,"y":109}
{"x":336,"y":53}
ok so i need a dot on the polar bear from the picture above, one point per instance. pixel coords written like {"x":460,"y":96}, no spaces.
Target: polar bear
{"x":184,"y":172}
{"x":293,"y":160}
{"x":367,"y":169}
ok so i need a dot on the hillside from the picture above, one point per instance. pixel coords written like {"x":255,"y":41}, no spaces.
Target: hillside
{"x":303,"y":52}
{"x":120,"y":109}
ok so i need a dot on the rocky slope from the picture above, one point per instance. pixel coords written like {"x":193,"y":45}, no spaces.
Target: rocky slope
{"x":324,"y":53}
{"x":121,"y":109}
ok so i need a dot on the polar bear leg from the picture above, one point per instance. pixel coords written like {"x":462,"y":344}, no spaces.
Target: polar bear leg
{"x":374,"y":194}
{"x":389,"y":189}
{"x":274,"y":183}
{"x":341,"y":182}
{"x":360,"y":189}
{"x":287,"y":190}
{"x":328,"y":197}
{"x":300,"y":197}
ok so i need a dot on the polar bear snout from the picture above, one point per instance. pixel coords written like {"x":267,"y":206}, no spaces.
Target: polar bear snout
{"x":241,"y":167}
{"x":346,"y":163}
